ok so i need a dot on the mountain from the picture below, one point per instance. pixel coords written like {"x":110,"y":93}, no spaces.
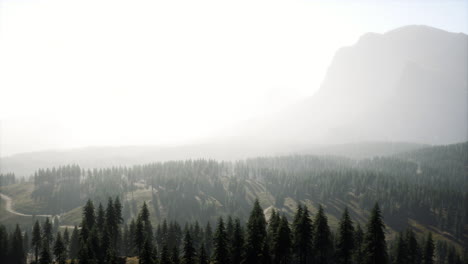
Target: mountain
{"x":407,"y":85}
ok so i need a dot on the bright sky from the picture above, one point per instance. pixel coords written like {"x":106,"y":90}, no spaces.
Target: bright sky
{"x":111,"y":72}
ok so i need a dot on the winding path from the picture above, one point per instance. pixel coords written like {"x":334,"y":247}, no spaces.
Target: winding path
{"x":9,"y":207}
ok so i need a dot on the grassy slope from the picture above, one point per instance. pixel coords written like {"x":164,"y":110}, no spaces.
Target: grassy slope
{"x":21,"y":194}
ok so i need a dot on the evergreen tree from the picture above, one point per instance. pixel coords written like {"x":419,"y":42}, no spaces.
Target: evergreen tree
{"x":401,"y":254}
{"x":375,"y":247}
{"x":322,"y":244}
{"x":189,"y":251}
{"x":282,"y":242}
{"x":175,"y":256}
{"x":208,"y":239}
{"x":60,"y":250}
{"x":26,"y":242}
{"x":165,"y":259}
{"x":220,"y":251}
{"x":428,"y":255}
{"x":236,"y":250}
{"x":139,"y":235}
{"x":358,"y":254}
{"x":36,"y":240}
{"x":345,"y":245}
{"x":202,"y":256}
{"x":302,"y":235}
{"x":17,"y":255}
{"x":47,"y":232}
{"x":66,"y":237}
{"x":147,"y":255}
{"x":74,"y":243}
{"x":101,"y":217}
{"x":256,"y":235}
{"x":89,"y":218}
{"x":414,"y":252}
{"x":46,"y":257}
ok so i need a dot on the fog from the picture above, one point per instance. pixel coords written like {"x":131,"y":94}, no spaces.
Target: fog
{"x":170,"y":73}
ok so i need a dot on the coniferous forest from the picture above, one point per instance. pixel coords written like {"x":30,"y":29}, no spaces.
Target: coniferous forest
{"x":102,"y":237}
{"x":405,"y":208}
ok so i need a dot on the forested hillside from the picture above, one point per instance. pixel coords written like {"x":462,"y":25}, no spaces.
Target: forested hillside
{"x":424,"y":190}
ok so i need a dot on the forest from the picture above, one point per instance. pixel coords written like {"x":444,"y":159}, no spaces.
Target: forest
{"x":278,"y":209}
{"x":103,"y":238}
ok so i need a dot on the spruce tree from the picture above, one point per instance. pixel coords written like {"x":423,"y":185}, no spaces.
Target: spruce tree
{"x":36,"y":240}
{"x":322,"y":244}
{"x":302,"y":235}
{"x":189,"y":251}
{"x":256,"y":235}
{"x":236,"y":250}
{"x":282,"y":242}
{"x":345,"y":245}
{"x":89,"y":218}
{"x":60,"y":251}
{"x":208,"y":239}
{"x":17,"y":255}
{"x":147,"y":255}
{"x":414,"y":252}
{"x":165,"y":258}
{"x":375,"y":247}
{"x":74,"y":243}
{"x":139,"y":235}
{"x":358,"y":254}
{"x":175,"y":256}
{"x":47,"y":232}
{"x":202,"y":256}
{"x":428,"y":254}
{"x":101,"y":217}
{"x":220,"y":250}
{"x":401,"y":254}
{"x":46,"y":257}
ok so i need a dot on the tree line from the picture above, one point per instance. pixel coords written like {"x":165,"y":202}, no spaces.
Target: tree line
{"x":103,"y":238}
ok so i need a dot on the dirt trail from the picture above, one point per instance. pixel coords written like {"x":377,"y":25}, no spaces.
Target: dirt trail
{"x":9,"y":208}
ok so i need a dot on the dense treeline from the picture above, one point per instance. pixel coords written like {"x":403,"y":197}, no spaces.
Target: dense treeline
{"x":7,"y":179}
{"x":102,"y":237}
{"x":428,"y":185}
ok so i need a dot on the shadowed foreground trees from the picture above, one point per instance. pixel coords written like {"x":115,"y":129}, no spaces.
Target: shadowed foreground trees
{"x":275,"y":241}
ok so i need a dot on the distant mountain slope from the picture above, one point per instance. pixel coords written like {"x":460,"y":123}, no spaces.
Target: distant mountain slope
{"x":407,"y":85}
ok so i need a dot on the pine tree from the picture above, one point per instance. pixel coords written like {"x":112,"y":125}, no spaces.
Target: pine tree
{"x":272,"y":228}
{"x":189,"y":251}
{"x":74,"y":243}
{"x":26,"y":242}
{"x":322,"y":244}
{"x":400,"y":255}
{"x":89,"y":218}
{"x":175,"y":256}
{"x":46,"y":257}
{"x":36,"y":240}
{"x":202,"y":256}
{"x":208,"y":239}
{"x":60,"y":250}
{"x":414,"y":252}
{"x":428,"y":255}
{"x":345,"y":245}
{"x":147,"y":255}
{"x":358,"y":254}
{"x":101,"y":217}
{"x":139,"y":235}
{"x":256,"y":235}
{"x":165,"y":259}
{"x":302,"y":235}
{"x":220,"y":251}
{"x":236,"y":250}
{"x":282,"y":242}
{"x":17,"y":255}
{"x":47,"y":232}
{"x":375,"y":247}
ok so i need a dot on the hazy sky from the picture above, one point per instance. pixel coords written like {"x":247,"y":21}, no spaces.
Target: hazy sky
{"x":99,"y":72}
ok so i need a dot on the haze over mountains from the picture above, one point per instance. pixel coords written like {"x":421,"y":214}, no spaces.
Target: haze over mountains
{"x":407,"y":85}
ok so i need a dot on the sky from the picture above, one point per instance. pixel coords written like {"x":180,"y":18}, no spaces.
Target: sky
{"x":87,"y":73}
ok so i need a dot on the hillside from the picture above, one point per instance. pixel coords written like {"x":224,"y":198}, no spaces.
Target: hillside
{"x":424,"y":195}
